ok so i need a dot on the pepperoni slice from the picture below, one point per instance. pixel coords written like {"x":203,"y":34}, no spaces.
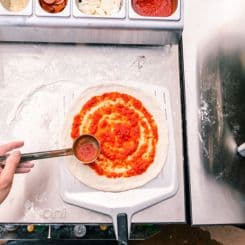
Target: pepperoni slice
{"x":49,"y":1}
{"x":53,"y":6}
{"x":60,"y":1}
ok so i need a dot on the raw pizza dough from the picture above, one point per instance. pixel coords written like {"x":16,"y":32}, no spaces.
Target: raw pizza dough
{"x":87,"y":175}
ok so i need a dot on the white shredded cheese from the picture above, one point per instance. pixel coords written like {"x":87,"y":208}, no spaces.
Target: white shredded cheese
{"x":99,"y":7}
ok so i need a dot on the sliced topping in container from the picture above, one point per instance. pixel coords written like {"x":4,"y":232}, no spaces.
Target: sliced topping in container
{"x":14,"y":5}
{"x":53,"y":6}
{"x":155,"y":8}
{"x":99,"y":7}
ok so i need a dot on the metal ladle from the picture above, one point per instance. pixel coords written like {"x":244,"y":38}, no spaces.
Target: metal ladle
{"x":82,"y":139}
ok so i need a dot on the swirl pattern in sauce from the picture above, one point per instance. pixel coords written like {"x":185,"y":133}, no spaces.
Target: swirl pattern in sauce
{"x":126,"y":130}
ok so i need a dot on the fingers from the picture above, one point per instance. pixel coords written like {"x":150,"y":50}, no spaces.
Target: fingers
{"x":10,"y":167}
{"x":24,"y":168}
{"x":10,"y":146}
{"x":26,"y":165}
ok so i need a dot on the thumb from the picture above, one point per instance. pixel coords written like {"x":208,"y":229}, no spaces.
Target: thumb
{"x":11,"y":164}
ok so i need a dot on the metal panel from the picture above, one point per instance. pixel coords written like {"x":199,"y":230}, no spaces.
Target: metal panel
{"x":214,"y":84}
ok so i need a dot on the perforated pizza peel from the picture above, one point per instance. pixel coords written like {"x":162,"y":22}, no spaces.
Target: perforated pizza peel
{"x":121,"y":206}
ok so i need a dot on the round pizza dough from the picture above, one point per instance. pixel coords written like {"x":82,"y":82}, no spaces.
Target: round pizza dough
{"x":87,"y":175}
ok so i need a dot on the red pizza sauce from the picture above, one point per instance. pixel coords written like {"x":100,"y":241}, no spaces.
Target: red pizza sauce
{"x":86,"y":152}
{"x":127,"y":133}
{"x":156,"y":8}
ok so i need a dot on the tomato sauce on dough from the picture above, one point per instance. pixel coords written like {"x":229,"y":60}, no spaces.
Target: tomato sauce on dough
{"x":126,"y":130}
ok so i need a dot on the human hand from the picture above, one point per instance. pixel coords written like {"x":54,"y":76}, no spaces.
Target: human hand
{"x":11,"y":167}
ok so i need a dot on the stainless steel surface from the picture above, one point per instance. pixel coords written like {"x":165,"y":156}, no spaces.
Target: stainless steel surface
{"x":44,"y":73}
{"x":214,"y":82}
{"x":40,"y":155}
{"x":70,"y":28}
{"x":86,"y":35}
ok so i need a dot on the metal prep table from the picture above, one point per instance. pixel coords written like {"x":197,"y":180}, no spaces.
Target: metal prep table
{"x":214,"y":59}
{"x":33,"y":77}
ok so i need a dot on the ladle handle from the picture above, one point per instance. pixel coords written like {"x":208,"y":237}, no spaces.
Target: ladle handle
{"x":40,"y":155}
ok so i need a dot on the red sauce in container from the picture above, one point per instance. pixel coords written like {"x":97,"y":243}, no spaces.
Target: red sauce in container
{"x":53,"y":6}
{"x":86,"y":152}
{"x":155,"y":8}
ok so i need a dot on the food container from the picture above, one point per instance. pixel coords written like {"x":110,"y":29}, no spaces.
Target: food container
{"x":119,"y":15}
{"x":26,"y":10}
{"x":175,"y":15}
{"x":64,"y":13}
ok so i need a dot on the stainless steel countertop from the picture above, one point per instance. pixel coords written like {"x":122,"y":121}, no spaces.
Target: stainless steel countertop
{"x":214,"y":54}
{"x":36,"y":78}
